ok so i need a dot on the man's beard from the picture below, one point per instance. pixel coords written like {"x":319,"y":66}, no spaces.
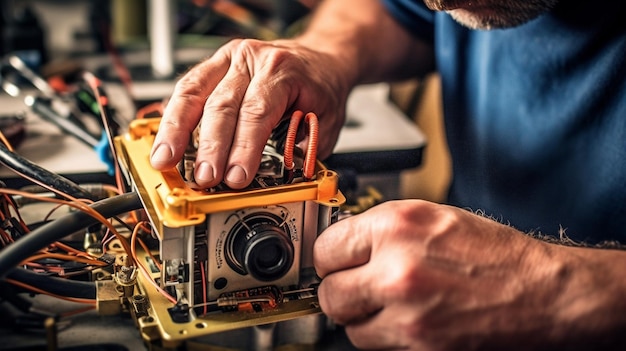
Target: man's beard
{"x":492,"y":14}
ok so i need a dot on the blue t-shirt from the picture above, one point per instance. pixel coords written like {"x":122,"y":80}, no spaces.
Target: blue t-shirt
{"x":536,"y":115}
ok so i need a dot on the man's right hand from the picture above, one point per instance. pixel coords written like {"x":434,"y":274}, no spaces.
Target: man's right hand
{"x":240,"y":94}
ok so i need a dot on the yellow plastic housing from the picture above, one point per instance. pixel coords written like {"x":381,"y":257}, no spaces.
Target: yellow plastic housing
{"x":178,"y":212}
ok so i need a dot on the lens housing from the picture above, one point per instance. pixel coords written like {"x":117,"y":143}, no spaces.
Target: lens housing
{"x":259,"y":246}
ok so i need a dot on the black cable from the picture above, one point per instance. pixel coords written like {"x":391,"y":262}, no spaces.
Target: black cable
{"x":31,"y":170}
{"x":54,"y":285}
{"x":41,"y":237}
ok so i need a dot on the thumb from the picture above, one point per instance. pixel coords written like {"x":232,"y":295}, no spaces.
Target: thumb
{"x":345,"y":244}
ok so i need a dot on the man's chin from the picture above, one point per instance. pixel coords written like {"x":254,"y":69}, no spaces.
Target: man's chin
{"x":486,"y":19}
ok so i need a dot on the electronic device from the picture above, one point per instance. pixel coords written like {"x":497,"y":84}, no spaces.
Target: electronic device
{"x":229,"y":258}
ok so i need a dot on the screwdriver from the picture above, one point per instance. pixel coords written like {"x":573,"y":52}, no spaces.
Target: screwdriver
{"x":43,"y":108}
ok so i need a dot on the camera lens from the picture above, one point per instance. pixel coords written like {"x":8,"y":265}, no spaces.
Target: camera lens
{"x":259,"y":246}
{"x":268,"y":255}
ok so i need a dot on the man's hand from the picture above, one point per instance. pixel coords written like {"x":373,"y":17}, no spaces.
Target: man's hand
{"x":414,"y":275}
{"x":248,"y":86}
{"x":240,"y":94}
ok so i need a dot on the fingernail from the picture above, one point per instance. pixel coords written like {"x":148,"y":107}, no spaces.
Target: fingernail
{"x":162,"y":154}
{"x":236,"y":175}
{"x":204,"y":173}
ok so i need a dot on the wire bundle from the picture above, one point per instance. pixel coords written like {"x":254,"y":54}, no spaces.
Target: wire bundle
{"x":46,"y":262}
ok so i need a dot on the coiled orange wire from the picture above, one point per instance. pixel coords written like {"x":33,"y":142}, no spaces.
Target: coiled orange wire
{"x":311,"y":153}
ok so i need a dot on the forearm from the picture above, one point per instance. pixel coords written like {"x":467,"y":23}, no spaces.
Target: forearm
{"x":367,"y":41}
{"x":591,"y":308}
{"x":566,"y":298}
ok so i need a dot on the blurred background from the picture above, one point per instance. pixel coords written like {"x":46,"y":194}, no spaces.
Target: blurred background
{"x":145,"y":44}
{"x":393,"y":141}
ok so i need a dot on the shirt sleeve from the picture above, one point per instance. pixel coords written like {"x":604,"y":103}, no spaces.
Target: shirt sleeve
{"x":414,"y":16}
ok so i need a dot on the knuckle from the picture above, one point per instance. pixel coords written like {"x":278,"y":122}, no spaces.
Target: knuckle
{"x":402,"y":282}
{"x":221,"y":107}
{"x":243,"y":145}
{"x":243,"y":44}
{"x":273,"y":55}
{"x":208,"y":148}
{"x":170,"y":126}
{"x":191,"y":85}
{"x":258,"y":113}
{"x":255,"y":108}
{"x":276,"y":58}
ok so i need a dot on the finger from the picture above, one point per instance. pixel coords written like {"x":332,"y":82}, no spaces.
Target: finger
{"x":263,"y":106}
{"x":220,"y":118}
{"x":345,"y":244}
{"x":349,"y":296}
{"x":184,"y":110}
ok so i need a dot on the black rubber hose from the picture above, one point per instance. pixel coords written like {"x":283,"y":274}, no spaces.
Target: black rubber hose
{"x":54,"y":285}
{"x":30,"y":169}
{"x":43,"y":236}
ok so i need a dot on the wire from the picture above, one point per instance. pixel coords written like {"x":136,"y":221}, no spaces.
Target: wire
{"x":40,"y":175}
{"x":103,"y":104}
{"x":78,"y":311}
{"x":10,"y":202}
{"x":143,"y":269}
{"x":311,"y":153}
{"x":153,"y":109}
{"x":39,"y":238}
{"x":147,"y":250}
{"x":53,"y":285}
{"x":203,"y":278}
{"x":5,"y":141}
{"x":57,"y":256}
{"x":70,"y":249}
{"x":37,"y":290}
{"x":76,"y":203}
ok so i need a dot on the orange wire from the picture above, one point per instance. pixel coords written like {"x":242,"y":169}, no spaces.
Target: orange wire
{"x":145,"y":247}
{"x":311,"y":153}
{"x":143,"y":269}
{"x":112,"y":189}
{"x":25,"y":227}
{"x":78,"y":311}
{"x":54,"y":269}
{"x":12,"y":205}
{"x":6,"y":235}
{"x":5,"y":141}
{"x":76,"y":203}
{"x":72,"y":250}
{"x":155,"y":107}
{"x":37,"y":290}
{"x":290,"y":141}
{"x":51,"y":212}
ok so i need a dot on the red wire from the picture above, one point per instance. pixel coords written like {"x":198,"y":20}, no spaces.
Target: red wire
{"x":311,"y":153}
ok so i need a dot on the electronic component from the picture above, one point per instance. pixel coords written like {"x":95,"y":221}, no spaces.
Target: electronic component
{"x":229,"y":258}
